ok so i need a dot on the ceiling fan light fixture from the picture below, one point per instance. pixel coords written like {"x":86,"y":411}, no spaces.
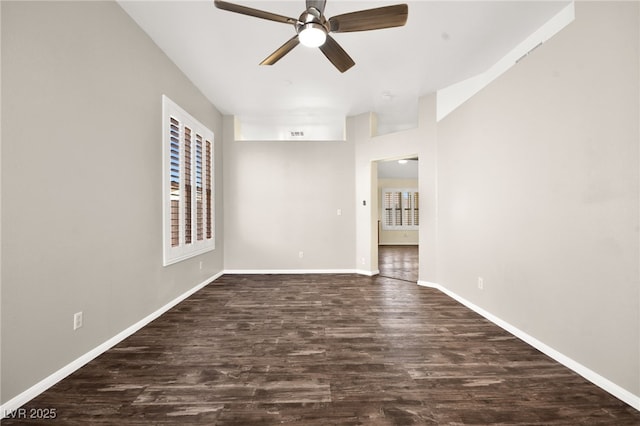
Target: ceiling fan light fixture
{"x":312,"y":35}
{"x":313,"y":28}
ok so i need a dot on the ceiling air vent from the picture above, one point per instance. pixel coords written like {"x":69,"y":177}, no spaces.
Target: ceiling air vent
{"x":528,"y":53}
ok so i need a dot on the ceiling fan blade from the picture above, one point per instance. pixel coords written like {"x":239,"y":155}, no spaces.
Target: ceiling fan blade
{"x":336,"y":54}
{"x":281,"y":51}
{"x":244,"y":10}
{"x":318,"y":4}
{"x":370,"y":19}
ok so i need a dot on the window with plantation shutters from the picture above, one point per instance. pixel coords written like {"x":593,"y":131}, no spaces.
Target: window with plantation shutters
{"x":174,"y":189}
{"x":400,"y":209}
{"x":187,"y":185}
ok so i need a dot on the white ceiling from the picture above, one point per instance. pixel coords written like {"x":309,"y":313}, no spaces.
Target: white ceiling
{"x":442,"y":43}
{"x":392,"y":169}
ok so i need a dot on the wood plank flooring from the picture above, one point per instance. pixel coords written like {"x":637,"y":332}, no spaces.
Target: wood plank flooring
{"x":400,"y":262}
{"x":325,"y":350}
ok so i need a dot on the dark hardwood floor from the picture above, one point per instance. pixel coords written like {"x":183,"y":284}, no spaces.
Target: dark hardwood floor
{"x":323,"y":350}
{"x":400,"y":262}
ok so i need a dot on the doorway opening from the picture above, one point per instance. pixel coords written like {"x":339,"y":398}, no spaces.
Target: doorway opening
{"x":398,"y":218}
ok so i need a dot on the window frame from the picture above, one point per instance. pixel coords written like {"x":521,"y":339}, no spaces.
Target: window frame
{"x":201,"y":188}
{"x":414,"y":209}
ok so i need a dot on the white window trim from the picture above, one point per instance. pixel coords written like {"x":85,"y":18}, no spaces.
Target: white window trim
{"x":174,"y":254}
{"x":387,"y":227}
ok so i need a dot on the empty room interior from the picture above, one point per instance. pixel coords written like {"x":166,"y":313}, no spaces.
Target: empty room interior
{"x":429,"y":216}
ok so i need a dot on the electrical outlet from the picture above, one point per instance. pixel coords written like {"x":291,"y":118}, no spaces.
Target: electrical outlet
{"x":363,"y":261}
{"x":77,"y":320}
{"x":481,"y":283}
{"x":339,"y":212}
{"x":201,"y":264}
{"x":301,"y":254}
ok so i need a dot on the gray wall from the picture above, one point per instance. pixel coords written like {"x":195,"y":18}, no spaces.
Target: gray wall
{"x":81,"y":182}
{"x":282,"y":198}
{"x":538,"y":194}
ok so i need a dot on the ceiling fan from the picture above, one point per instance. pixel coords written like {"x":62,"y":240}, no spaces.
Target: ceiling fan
{"x":312,"y":28}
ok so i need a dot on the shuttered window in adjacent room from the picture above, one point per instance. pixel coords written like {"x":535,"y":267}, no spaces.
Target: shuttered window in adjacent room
{"x":400,"y":209}
{"x":188,"y":182}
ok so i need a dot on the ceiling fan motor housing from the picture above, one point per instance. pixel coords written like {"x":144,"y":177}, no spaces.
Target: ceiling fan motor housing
{"x":312,"y":17}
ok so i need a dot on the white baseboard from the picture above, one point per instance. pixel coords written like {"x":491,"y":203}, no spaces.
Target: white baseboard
{"x":595,"y":378}
{"x":287,"y":271}
{"x":300,"y":271}
{"x":16,"y":402}
{"x":367,"y":273}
